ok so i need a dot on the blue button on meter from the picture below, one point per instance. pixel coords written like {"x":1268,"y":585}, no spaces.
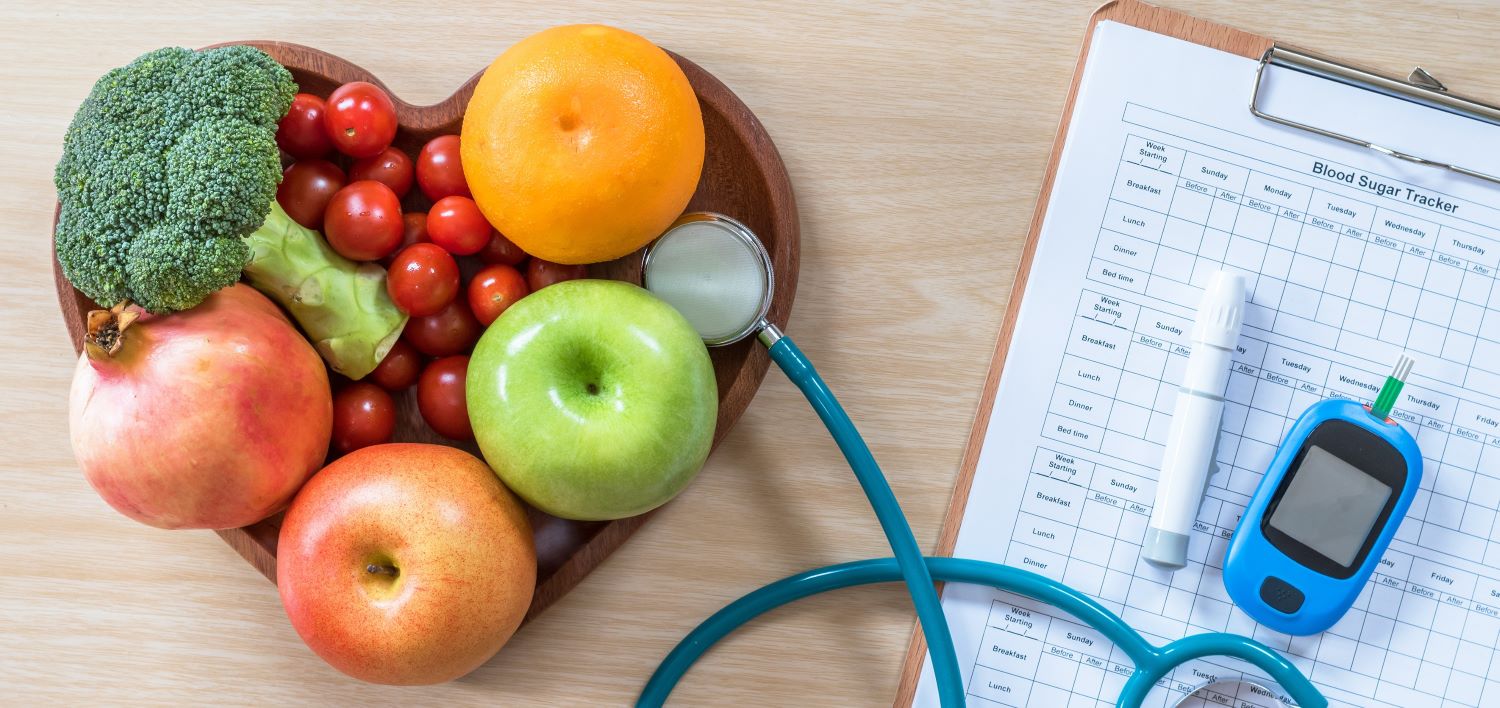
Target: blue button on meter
{"x":1323,"y":514}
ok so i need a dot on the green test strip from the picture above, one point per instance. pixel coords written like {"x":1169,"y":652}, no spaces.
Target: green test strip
{"x":1386,"y":399}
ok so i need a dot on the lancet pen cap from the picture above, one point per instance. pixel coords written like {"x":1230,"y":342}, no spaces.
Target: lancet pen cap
{"x":1222,"y":311}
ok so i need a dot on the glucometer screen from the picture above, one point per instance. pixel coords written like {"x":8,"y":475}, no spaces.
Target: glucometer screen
{"x":1330,"y":506}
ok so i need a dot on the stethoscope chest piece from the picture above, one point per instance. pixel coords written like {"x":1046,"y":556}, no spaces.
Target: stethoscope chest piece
{"x":715,"y":271}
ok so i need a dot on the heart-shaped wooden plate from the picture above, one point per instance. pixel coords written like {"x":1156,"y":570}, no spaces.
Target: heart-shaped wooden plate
{"x":743,"y":177}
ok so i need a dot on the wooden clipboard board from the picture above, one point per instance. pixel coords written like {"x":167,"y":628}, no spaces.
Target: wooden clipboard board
{"x":1129,"y":12}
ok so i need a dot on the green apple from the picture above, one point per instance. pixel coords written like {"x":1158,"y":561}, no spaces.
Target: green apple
{"x":593,"y":399}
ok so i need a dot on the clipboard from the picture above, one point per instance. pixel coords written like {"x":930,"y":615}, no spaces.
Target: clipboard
{"x":1420,"y":87}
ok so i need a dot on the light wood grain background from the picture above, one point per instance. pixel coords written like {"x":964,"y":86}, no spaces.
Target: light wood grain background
{"x":915,"y":136}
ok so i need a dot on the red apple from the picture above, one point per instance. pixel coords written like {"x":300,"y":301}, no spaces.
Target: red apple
{"x":406,"y":564}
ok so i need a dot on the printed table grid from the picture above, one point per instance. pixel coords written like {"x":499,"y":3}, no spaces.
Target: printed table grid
{"x":1093,"y":408}
{"x":1459,"y":499}
{"x":1337,"y":280}
{"x":1345,"y":267}
{"x":1401,"y":600}
{"x":1427,"y":287}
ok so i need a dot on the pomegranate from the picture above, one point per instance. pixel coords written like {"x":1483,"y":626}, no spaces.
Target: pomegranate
{"x":208,"y":418}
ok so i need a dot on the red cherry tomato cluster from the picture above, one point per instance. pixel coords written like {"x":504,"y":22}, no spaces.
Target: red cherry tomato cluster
{"x":447,"y":268}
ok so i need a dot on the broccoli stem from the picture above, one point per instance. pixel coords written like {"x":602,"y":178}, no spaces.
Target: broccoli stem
{"x":343,"y":306}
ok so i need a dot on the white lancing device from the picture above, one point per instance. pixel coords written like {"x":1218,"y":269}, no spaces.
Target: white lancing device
{"x":1192,"y":439}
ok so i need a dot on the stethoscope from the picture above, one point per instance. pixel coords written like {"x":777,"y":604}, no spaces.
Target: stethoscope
{"x":716,"y":272}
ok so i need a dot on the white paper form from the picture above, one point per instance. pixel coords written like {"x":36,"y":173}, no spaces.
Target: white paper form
{"x":1351,"y":258}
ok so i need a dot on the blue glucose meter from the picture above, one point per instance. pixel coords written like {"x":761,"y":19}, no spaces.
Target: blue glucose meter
{"x":1322,"y":516}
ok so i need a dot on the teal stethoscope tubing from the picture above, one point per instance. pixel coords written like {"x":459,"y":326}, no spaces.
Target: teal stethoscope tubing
{"x":888,"y":512}
{"x":1151,"y":663}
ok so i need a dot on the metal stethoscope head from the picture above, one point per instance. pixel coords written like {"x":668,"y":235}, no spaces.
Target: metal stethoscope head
{"x":715,"y":271}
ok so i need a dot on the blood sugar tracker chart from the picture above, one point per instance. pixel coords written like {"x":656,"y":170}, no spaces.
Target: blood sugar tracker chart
{"x":1347,"y":267}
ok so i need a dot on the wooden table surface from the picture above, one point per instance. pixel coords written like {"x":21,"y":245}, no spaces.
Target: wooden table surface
{"x":915,"y":138}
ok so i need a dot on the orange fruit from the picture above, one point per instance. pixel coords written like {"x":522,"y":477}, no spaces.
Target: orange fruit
{"x":582,"y":143}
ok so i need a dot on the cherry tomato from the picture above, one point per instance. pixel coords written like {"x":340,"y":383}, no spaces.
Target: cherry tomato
{"x":306,"y":187}
{"x":501,"y":250}
{"x":540,"y":273}
{"x":440,"y":397}
{"x":422,"y":279}
{"x":363,"y":221}
{"x":301,"y":132}
{"x":494,"y":289}
{"x":363,"y":415}
{"x":414,"y":230}
{"x":456,"y":224}
{"x":360,"y":120}
{"x":439,"y":171}
{"x":399,"y":369}
{"x":453,"y":330}
{"x":391,"y":167}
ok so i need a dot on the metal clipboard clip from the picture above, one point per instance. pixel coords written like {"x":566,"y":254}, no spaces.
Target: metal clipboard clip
{"x":1420,"y":88}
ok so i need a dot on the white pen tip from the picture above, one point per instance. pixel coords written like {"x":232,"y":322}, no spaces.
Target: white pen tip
{"x":1222,"y":311}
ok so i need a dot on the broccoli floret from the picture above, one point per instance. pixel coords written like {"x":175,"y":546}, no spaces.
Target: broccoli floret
{"x":168,"y":267}
{"x":165,"y":180}
{"x":168,"y":163}
{"x":208,"y":189}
